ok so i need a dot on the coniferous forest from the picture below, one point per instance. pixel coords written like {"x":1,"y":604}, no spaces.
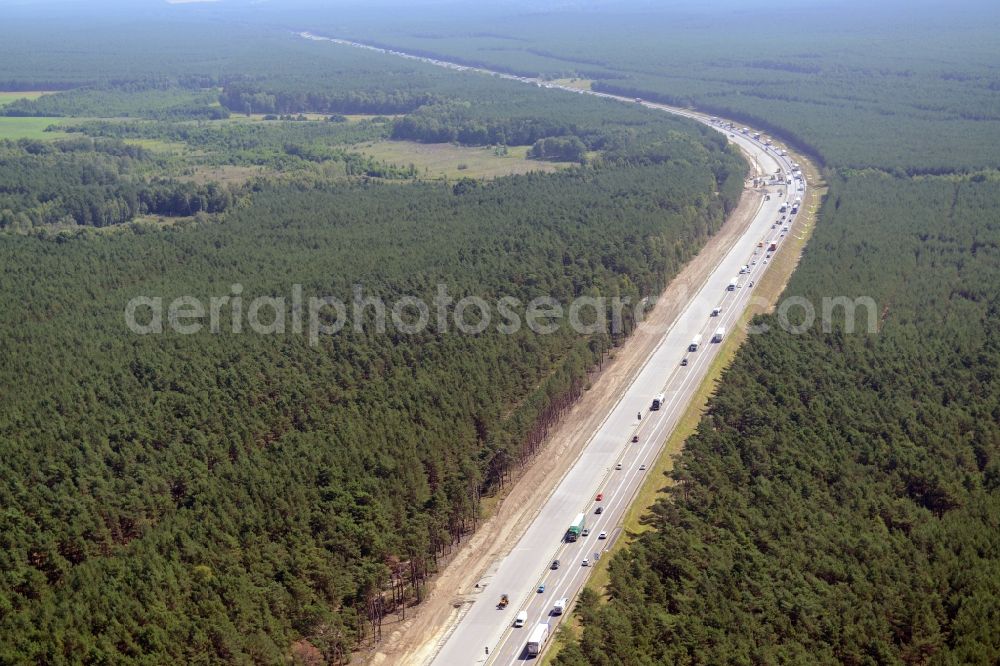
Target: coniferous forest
{"x":217,"y":497}
{"x":222,"y":496}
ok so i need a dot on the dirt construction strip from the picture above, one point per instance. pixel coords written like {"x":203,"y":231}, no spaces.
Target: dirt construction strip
{"x":427,"y":625}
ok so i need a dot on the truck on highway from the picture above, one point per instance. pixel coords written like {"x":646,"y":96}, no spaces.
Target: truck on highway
{"x":576,"y":529}
{"x":560,"y":606}
{"x":537,"y":639}
{"x":719,"y":334}
{"x":658,"y":402}
{"x":795,"y":208}
{"x":772,"y":247}
{"x":521,"y":618}
{"x":695,"y":341}
{"x":732,"y":285}
{"x":784,"y":208}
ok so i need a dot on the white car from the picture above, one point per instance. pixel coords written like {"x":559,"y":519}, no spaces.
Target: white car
{"x":642,"y":467}
{"x":618,"y":466}
{"x":602,"y":535}
{"x":586,"y":562}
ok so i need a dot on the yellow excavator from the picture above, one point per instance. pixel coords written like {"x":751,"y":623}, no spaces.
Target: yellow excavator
{"x":504,"y":600}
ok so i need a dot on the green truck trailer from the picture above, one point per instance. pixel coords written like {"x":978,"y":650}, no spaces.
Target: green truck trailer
{"x":574,"y":531}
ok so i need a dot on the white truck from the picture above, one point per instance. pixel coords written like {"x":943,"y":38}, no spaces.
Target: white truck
{"x":719,"y":334}
{"x":560,"y":606}
{"x":695,"y":342}
{"x":537,"y":639}
{"x":658,"y":402}
{"x":732,"y":285}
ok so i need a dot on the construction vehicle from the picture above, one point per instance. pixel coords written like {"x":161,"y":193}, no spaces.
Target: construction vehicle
{"x":504,"y":600}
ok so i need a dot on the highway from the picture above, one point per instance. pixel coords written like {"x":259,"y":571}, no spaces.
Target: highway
{"x":527,"y":565}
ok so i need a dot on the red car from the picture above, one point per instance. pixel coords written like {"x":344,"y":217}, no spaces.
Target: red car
{"x":600,"y":496}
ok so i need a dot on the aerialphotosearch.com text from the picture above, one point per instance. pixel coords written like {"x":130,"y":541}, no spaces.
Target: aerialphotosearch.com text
{"x":319,"y":316}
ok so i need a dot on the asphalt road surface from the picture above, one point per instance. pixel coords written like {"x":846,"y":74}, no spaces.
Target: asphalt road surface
{"x":528,"y":565}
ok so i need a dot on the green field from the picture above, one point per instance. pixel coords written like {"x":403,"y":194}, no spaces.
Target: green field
{"x":29,"y":128}
{"x":8,"y":97}
{"x":446,"y":160}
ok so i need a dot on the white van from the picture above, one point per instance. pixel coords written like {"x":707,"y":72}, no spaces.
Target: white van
{"x":521,"y":618}
{"x":560,"y":606}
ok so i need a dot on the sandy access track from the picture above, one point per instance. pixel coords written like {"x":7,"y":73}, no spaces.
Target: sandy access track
{"x":427,"y":625}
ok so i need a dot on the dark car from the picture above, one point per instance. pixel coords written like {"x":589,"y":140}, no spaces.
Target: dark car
{"x":555,"y":564}
{"x":684,"y":362}
{"x":599,"y":509}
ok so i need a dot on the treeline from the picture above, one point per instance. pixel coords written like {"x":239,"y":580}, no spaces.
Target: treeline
{"x":249,"y":98}
{"x":217,"y":497}
{"x":459,"y":122}
{"x":559,"y":148}
{"x":840,"y":500}
{"x":136,"y":99}
{"x":92,"y":183}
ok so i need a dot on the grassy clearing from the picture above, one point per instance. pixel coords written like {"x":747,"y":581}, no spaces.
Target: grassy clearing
{"x":261,"y":117}
{"x":582,"y":84}
{"x":358,"y":117}
{"x":446,"y":160}
{"x":226,"y":174}
{"x":8,"y":97}
{"x":158,"y":146}
{"x":30,"y":128}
